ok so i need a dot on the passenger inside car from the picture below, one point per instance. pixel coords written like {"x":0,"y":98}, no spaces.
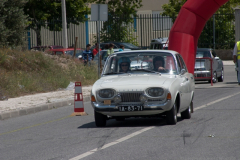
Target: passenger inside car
{"x":159,"y":64}
{"x":124,"y":64}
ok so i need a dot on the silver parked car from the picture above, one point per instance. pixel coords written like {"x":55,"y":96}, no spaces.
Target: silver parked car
{"x":202,"y":66}
{"x":143,"y":83}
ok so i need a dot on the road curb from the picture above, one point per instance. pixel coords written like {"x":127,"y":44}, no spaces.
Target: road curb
{"x":38,"y":108}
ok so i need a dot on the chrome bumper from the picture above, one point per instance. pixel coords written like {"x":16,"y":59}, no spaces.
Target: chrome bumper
{"x":150,"y":108}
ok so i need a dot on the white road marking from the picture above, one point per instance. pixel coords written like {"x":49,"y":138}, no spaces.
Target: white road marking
{"x":213,"y":102}
{"x":112,"y":143}
{"x":141,"y":131}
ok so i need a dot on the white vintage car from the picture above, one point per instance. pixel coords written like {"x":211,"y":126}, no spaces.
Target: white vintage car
{"x":143,"y":83}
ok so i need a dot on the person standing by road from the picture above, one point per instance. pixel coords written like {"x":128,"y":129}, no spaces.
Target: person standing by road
{"x":236,"y":58}
{"x":110,"y":49}
{"x":96,"y":50}
{"x":87,"y":55}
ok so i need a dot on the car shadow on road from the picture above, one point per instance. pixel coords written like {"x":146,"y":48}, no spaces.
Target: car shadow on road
{"x":131,"y":122}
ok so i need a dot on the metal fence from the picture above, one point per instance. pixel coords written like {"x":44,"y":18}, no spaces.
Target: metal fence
{"x":143,"y":28}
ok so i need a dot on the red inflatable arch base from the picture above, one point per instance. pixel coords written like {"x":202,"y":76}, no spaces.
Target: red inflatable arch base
{"x":188,"y":26}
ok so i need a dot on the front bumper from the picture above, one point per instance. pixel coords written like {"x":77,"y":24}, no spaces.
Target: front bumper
{"x":150,"y":108}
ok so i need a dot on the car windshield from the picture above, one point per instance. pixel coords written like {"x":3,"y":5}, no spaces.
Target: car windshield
{"x":201,"y":54}
{"x":78,"y":52}
{"x":140,"y":63}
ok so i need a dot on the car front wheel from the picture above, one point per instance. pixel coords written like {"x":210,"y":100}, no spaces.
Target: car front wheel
{"x":172,"y":115}
{"x":100,"y":119}
{"x":187,"y":113}
{"x":214,"y":78}
{"x":220,"y":79}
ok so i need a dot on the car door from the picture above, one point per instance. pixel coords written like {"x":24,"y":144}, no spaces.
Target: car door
{"x":186,"y":80}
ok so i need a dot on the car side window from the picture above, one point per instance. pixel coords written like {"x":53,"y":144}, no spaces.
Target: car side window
{"x":179,"y":63}
{"x":183,"y":63}
{"x":214,"y":54}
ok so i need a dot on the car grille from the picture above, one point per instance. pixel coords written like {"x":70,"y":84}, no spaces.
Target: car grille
{"x":202,"y":75}
{"x":131,"y":97}
{"x":199,"y":69}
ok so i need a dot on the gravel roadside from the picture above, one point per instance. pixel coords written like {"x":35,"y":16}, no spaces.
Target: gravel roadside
{"x":24,"y":105}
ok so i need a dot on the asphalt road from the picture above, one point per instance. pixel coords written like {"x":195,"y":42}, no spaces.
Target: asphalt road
{"x":212,"y":133}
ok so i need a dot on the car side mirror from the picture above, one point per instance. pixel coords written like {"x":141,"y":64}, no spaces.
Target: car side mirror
{"x":217,"y":58}
{"x":183,"y":71}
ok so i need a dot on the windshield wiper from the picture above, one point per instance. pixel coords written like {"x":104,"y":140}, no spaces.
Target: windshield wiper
{"x":111,"y":73}
{"x":146,"y":70}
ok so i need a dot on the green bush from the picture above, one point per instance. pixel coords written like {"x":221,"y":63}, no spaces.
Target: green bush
{"x":28,"y":72}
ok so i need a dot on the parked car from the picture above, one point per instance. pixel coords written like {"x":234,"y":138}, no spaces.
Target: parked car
{"x":104,"y":55}
{"x":143,"y":91}
{"x":45,"y":48}
{"x":117,"y":45}
{"x":202,"y":72}
{"x":67,"y":51}
{"x":125,"y":44}
{"x":102,"y":46}
{"x":159,"y":43}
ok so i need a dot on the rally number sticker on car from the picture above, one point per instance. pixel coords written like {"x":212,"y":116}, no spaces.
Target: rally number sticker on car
{"x":130,"y":108}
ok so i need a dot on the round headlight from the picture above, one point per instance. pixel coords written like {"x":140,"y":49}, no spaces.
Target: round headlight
{"x":106,"y":93}
{"x":155,"y":92}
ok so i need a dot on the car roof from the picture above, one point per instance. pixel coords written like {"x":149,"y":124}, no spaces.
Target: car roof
{"x":64,"y":49}
{"x":149,"y":51}
{"x":117,"y":49}
{"x":114,"y":42}
{"x":159,"y":40}
{"x":204,"y":49}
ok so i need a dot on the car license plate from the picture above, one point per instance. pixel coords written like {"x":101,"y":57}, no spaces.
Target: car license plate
{"x":130,"y":108}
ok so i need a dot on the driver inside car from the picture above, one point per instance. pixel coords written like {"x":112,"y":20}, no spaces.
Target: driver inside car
{"x":124,"y":64}
{"x":158,"y":63}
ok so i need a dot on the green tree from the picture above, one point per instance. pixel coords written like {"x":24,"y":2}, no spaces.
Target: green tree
{"x":12,"y":23}
{"x":223,"y":21}
{"x":42,"y":13}
{"x":172,"y":8}
{"x":120,"y":16}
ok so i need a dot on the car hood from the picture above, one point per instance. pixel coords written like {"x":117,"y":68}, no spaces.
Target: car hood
{"x":134,"y":82}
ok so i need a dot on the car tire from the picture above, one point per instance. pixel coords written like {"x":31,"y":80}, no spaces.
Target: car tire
{"x":172,"y":115}
{"x":120,"y":118}
{"x":187,"y":113}
{"x":100,"y":119}
{"x":220,"y":79}
{"x":214,"y":79}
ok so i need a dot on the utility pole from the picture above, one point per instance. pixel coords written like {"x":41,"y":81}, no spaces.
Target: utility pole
{"x":64,"y":25}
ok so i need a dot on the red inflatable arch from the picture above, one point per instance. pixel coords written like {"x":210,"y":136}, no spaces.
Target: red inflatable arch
{"x":188,"y":26}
